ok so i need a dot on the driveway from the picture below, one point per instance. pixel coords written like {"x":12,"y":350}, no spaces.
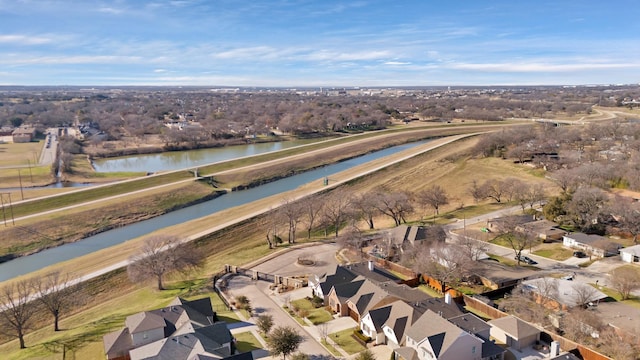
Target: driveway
{"x":264,"y":304}
{"x":323,"y":256}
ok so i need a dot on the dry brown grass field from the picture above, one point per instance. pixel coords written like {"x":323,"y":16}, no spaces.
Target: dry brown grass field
{"x":449,"y":166}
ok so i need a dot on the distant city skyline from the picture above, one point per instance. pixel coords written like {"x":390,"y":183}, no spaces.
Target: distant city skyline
{"x":307,"y":43}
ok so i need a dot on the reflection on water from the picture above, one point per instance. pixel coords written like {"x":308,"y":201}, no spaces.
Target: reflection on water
{"x":27,"y":264}
{"x":175,"y":160}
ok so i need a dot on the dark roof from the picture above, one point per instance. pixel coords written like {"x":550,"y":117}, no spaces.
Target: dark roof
{"x":399,"y":326}
{"x":347,"y":290}
{"x":470,"y":323}
{"x":341,"y":276}
{"x":217,"y":332}
{"x":490,"y":349}
{"x":405,"y":292}
{"x":379,"y":316}
{"x":438,"y":306}
{"x":586,"y":238}
{"x":199,"y":310}
{"x":377,"y":275}
{"x":437,"y":341}
{"x":363,"y":302}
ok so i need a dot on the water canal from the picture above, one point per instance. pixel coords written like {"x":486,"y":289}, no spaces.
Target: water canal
{"x":37,"y":261}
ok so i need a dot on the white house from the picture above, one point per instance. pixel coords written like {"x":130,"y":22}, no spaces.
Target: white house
{"x":630,"y":254}
{"x":433,"y":337}
{"x":595,"y":245}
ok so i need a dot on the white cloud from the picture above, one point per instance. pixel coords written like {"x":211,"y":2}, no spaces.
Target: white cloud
{"x":539,"y":67}
{"x":25,"y":39}
{"x":111,"y":10}
{"x":329,"y":55}
{"x":79,"y":59}
{"x":397,"y":63}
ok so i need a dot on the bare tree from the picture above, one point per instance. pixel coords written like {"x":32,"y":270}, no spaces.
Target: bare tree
{"x":161,"y":255}
{"x":585,"y":207}
{"x":471,"y":247}
{"x":291,"y":211}
{"x":618,"y":347}
{"x":364,"y":208}
{"x":433,"y":197}
{"x":446,"y":263}
{"x":625,"y":280}
{"x":522,"y":305}
{"x":583,"y":294}
{"x":628,"y":214}
{"x":311,"y":206}
{"x":396,"y":205}
{"x":336,"y":208}
{"x":581,"y":325}
{"x":493,"y":189}
{"x":517,"y":240}
{"x":16,"y":310}
{"x":57,"y":293}
{"x":476,"y":191}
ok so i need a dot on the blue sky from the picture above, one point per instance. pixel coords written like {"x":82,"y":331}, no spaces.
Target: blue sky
{"x":319,"y":42}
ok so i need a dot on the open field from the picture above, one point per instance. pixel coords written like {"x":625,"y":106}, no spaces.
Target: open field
{"x":57,"y":228}
{"x":20,"y":154}
{"x":244,"y":176}
{"x":224,"y":246}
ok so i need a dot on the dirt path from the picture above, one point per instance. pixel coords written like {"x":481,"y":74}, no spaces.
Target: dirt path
{"x":104,"y":261}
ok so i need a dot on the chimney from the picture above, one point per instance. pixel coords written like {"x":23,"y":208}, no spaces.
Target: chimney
{"x":447,"y":298}
{"x":555,"y":349}
{"x":370,"y":265}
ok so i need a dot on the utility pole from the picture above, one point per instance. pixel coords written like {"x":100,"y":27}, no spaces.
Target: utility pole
{"x":30,"y":173}
{"x":20,"y":179}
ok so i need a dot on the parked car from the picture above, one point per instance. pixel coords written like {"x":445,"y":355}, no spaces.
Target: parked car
{"x":579,"y":254}
{"x":527,"y":260}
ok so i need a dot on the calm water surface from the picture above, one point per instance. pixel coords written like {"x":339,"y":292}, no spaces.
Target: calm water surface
{"x":27,"y":264}
{"x":175,"y":160}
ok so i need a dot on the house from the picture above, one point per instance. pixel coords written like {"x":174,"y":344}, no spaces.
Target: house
{"x":592,"y":244}
{"x":480,"y":328}
{"x":630,"y":254}
{"x":545,"y":230}
{"x":182,"y":330}
{"x":404,"y":236}
{"x":495,"y":275}
{"x":340,"y":293}
{"x":23,"y":134}
{"x":498,"y":224}
{"x":6,"y":134}
{"x":514,"y":332}
{"x":388,"y":324}
{"x":321,"y":284}
{"x":562,"y":294}
{"x":433,"y":337}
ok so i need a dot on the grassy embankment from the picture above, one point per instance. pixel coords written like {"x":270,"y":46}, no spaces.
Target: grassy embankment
{"x":74,"y":224}
{"x":224,"y":247}
{"x":60,"y":227}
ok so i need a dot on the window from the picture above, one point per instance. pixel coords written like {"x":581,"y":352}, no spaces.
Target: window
{"x":473,"y":350}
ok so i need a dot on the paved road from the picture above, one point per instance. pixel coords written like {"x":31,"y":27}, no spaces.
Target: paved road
{"x":595,"y":273}
{"x":264,"y":304}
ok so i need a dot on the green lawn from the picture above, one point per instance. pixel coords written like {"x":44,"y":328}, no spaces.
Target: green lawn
{"x":331,"y":349}
{"x":345,"y":339}
{"x":246,"y":342}
{"x":316,"y":315}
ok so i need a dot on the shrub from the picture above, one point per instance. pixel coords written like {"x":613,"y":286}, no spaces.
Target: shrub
{"x":317,"y":301}
{"x":358,"y":333}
